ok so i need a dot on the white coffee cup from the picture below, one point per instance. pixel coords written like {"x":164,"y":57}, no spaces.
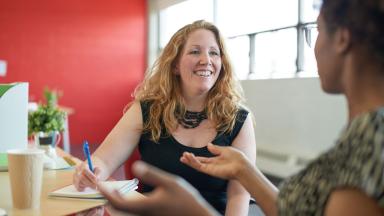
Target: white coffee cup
{"x":26,"y":177}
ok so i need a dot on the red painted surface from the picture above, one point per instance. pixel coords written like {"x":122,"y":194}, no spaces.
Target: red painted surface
{"x":94,"y":51}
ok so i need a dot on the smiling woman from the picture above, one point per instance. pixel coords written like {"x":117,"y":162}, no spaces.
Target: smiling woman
{"x":200,"y":64}
{"x":188,"y":99}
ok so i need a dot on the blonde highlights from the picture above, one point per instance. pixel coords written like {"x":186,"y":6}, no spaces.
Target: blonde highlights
{"x":161,"y":88}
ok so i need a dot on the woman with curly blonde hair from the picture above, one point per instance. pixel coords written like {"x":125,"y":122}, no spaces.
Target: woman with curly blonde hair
{"x":188,"y":99}
{"x":164,"y":88}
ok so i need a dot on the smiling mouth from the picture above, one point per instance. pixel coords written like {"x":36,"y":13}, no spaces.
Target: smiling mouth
{"x":203,"y":73}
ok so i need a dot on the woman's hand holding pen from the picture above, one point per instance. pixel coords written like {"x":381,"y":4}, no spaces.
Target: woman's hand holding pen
{"x":84,"y":177}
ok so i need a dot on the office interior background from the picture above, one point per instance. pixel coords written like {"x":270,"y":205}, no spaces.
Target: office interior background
{"x":96,"y":52}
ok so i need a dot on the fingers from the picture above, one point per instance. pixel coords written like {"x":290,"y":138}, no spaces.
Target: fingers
{"x":118,"y":201}
{"x":76,"y":182}
{"x":77,"y":178}
{"x":83,"y":177}
{"x":198,"y":163}
{"x":97,"y":171}
{"x":215,"y":149}
{"x":89,"y":178}
{"x":190,"y":160}
{"x":152,"y":175}
{"x":112,"y":196}
{"x":204,"y":160}
{"x":188,"y":157}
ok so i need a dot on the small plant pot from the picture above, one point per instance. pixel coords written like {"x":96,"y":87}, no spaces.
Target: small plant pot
{"x":48,"y":142}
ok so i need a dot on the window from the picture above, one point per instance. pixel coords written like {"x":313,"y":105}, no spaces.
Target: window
{"x":275,"y":54}
{"x":309,"y":10}
{"x":238,"y":51}
{"x":265,"y":38}
{"x":240,"y":17}
{"x":176,"y":16}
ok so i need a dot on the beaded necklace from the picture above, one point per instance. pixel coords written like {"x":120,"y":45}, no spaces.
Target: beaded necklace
{"x":192,"y":119}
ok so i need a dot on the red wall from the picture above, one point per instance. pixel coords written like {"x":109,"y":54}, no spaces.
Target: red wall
{"x":94,"y":51}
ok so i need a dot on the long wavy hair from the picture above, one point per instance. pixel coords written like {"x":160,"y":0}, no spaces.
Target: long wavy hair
{"x":161,"y":87}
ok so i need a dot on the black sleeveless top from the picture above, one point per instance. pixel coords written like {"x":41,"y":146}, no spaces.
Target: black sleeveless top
{"x":167,"y":152}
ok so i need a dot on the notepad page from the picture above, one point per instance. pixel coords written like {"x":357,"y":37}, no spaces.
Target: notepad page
{"x":71,"y":191}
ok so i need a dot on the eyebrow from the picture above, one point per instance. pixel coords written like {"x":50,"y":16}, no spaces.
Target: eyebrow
{"x":211,"y":47}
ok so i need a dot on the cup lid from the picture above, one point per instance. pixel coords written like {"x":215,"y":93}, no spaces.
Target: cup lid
{"x":25,"y":151}
{"x":2,"y":212}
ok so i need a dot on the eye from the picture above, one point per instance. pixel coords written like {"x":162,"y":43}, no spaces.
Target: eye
{"x":194,"y":52}
{"x":214,"y":52}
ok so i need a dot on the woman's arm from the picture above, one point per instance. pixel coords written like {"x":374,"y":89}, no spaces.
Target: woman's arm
{"x":238,"y":197}
{"x":350,"y":201}
{"x":121,"y":141}
{"x":261,"y":189}
{"x":230,"y":163}
{"x":114,"y":150}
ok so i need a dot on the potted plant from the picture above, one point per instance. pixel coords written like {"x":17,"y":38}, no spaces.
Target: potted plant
{"x":46,"y":123}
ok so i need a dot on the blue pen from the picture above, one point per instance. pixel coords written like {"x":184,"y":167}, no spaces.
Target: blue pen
{"x":87,"y":155}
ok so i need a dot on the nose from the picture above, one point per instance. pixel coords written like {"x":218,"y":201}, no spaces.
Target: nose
{"x":205,"y":59}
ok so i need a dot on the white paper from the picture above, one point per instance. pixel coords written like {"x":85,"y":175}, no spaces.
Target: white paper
{"x":71,"y":192}
{"x":3,"y":68}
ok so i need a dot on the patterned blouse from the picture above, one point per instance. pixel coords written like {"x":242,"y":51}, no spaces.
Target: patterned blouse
{"x":356,"y":161}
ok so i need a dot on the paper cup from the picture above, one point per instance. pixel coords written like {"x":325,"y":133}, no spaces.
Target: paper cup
{"x":26,"y":176}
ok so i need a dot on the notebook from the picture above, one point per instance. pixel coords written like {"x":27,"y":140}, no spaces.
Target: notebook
{"x":71,"y":192}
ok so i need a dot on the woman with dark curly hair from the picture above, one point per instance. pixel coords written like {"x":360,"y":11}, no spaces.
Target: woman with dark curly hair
{"x":347,"y":179}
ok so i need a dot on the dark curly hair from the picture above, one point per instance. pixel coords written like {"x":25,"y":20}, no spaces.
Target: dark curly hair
{"x":363,"y":18}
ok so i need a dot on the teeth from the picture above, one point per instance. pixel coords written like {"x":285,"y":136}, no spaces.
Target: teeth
{"x":203,"y":73}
